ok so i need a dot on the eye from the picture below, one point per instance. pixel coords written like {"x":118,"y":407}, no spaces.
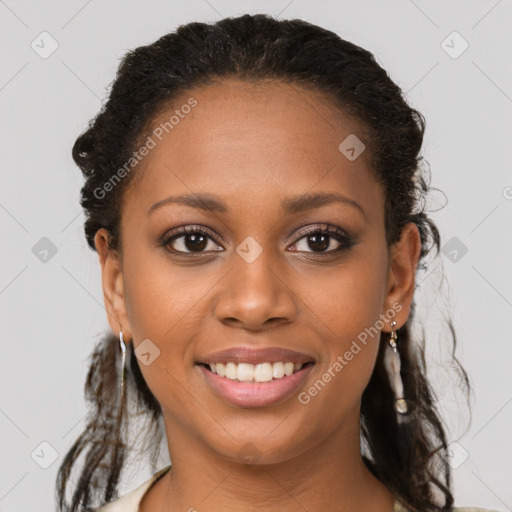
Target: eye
{"x":189,"y":240}
{"x":197,"y":240}
{"x":320,"y":239}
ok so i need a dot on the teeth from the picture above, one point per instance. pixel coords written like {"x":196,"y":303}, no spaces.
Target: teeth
{"x":264,"y":372}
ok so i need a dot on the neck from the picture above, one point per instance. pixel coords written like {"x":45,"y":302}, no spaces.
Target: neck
{"x":330,"y":475}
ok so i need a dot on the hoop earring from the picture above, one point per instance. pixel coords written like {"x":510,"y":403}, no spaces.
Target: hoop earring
{"x":392,"y":365}
{"x":123,"y":366}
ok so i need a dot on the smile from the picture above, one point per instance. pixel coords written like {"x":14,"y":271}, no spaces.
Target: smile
{"x":248,"y":385}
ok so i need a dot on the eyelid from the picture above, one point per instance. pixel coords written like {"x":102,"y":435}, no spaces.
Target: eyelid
{"x":327,"y":228}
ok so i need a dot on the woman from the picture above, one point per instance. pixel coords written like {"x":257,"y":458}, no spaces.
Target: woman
{"x":253,"y":189}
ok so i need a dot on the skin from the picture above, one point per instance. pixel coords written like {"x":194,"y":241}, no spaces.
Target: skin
{"x":253,"y":145}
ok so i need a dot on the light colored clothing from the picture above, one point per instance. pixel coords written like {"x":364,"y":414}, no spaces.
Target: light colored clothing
{"x":130,"y":502}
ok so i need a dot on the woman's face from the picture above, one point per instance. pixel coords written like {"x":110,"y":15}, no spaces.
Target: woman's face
{"x":254,"y":279}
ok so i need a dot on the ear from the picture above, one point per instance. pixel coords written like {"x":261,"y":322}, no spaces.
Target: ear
{"x":113,"y":285}
{"x":404,"y":260}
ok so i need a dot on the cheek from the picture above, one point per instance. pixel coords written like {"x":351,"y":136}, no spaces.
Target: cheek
{"x":348,"y":309}
{"x":347,"y":299}
{"x":161,"y":298}
{"x":166,"y":304}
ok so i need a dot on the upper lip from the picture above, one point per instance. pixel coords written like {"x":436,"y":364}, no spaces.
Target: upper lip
{"x":256,"y":356}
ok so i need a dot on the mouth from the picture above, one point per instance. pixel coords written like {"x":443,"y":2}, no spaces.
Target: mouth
{"x":248,"y":377}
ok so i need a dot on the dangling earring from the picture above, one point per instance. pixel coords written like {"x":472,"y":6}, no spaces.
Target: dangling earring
{"x":392,"y":365}
{"x":123,"y":364}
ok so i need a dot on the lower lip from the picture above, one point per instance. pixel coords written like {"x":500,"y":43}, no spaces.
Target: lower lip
{"x":255,"y":394}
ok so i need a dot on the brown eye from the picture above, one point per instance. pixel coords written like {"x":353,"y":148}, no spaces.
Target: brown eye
{"x":320,"y":241}
{"x":190,"y":240}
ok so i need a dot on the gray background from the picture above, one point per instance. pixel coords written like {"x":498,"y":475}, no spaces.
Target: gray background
{"x":51,"y":311}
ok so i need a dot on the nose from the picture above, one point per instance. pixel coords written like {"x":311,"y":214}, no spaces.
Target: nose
{"x":255,"y":295}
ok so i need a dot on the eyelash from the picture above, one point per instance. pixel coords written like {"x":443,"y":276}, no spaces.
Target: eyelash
{"x":346,"y":240}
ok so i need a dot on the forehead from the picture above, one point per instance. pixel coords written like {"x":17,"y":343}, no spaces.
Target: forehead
{"x":262,"y":139}
{"x":233,"y":117}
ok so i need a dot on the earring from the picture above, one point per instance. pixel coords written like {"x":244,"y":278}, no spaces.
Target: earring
{"x":392,"y":365}
{"x":123,"y":364}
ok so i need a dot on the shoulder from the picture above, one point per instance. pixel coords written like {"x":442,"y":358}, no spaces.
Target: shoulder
{"x":130,"y":502}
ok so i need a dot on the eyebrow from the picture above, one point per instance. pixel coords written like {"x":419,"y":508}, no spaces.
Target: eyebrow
{"x":214,"y":204}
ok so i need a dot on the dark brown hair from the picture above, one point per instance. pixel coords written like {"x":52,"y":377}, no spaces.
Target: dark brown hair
{"x":406,"y":457}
